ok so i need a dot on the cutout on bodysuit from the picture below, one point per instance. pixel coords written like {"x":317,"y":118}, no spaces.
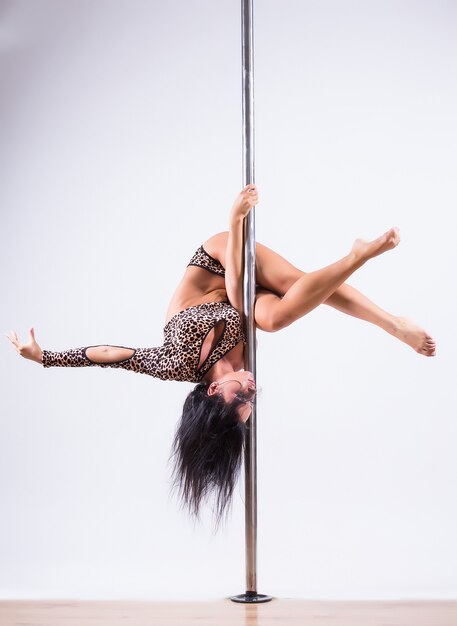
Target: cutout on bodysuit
{"x":125,"y":354}
{"x":210,"y":342}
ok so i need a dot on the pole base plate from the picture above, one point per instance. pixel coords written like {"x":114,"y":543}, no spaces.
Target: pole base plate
{"x":251,"y":597}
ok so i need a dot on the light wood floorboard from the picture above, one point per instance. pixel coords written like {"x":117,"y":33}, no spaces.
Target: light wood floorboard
{"x":279,"y":612}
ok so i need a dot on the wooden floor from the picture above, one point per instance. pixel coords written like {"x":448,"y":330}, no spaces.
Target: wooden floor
{"x":279,"y":612}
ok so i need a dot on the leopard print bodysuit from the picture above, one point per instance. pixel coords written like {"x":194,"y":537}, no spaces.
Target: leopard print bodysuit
{"x":202,"y":259}
{"x":184,"y":335}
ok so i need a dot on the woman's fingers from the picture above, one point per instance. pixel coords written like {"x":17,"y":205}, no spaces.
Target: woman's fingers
{"x":251,"y":191}
{"x":12,"y":336}
{"x":245,"y":201}
{"x":252,"y":198}
{"x":14,"y":340}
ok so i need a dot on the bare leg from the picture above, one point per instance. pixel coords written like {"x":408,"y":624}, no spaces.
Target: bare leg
{"x":314,"y":288}
{"x":350,"y":301}
{"x":276,"y":275}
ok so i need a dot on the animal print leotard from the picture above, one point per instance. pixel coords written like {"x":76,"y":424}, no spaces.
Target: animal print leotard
{"x":184,"y":335}
{"x":202,"y":259}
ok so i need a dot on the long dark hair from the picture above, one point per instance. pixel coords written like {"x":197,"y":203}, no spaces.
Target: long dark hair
{"x":207,"y":451}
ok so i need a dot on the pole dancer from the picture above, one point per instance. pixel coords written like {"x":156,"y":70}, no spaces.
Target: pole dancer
{"x":205,"y":338}
{"x":204,"y":343}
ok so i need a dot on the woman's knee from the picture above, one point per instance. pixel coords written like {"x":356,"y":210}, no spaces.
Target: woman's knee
{"x":273,"y":323}
{"x":268,"y":313}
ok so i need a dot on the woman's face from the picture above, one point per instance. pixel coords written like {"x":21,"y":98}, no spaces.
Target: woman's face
{"x":236,"y":384}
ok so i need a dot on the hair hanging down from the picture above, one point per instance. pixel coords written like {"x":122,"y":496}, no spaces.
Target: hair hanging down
{"x":207,"y":451}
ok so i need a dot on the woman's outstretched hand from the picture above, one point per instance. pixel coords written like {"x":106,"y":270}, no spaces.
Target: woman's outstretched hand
{"x":29,"y":350}
{"x":245,"y":200}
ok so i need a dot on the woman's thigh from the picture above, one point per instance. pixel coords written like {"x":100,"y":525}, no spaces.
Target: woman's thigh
{"x":273,"y":272}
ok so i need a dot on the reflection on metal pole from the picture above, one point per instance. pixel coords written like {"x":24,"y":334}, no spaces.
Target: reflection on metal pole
{"x":250,"y":458}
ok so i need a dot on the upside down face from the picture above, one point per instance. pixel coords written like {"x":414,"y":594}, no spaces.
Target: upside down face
{"x":240,"y":385}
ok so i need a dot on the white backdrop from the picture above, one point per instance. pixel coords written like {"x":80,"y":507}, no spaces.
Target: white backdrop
{"x":120,"y":148}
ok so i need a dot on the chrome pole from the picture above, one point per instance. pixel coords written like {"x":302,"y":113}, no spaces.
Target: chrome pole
{"x":249,"y":283}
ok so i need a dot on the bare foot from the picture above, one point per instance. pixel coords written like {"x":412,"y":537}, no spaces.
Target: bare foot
{"x":415,"y":336}
{"x":365,"y":250}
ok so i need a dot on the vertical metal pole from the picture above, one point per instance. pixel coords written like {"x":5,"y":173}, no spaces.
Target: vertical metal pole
{"x":249,"y":283}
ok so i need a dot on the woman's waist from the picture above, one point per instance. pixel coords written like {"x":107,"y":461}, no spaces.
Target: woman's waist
{"x":194,"y":297}
{"x":193,"y":322}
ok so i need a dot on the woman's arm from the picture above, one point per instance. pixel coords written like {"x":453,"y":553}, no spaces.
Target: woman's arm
{"x":102,"y":356}
{"x":244,"y":202}
{"x":157,"y":362}
{"x":97,"y":354}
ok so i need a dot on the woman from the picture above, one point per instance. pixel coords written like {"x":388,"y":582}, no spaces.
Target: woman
{"x":204,"y":343}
